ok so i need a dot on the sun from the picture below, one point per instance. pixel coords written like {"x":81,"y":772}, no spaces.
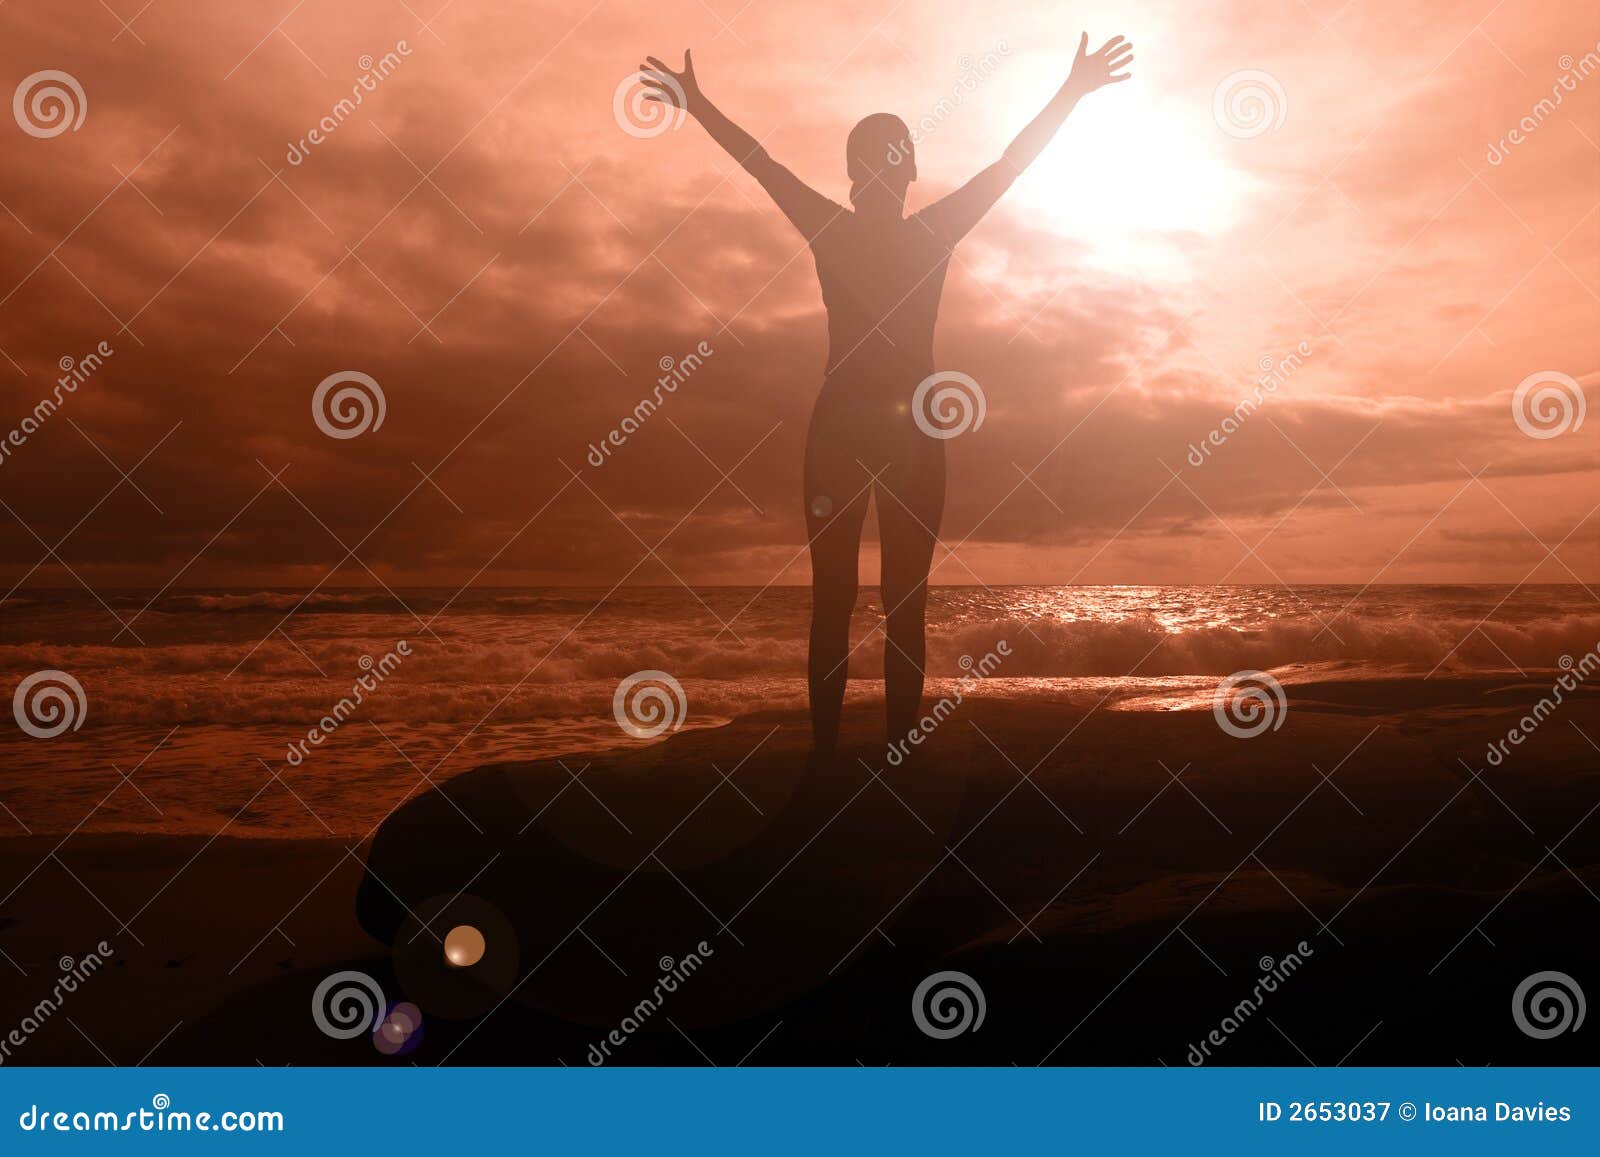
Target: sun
{"x":1137,"y":177}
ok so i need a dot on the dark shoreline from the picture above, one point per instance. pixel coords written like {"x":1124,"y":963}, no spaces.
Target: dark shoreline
{"x":1108,"y":918}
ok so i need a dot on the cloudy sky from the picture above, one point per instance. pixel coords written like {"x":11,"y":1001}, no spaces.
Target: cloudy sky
{"x":484,"y":239}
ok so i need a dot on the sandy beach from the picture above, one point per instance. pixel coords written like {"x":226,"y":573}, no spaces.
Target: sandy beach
{"x":1115,"y":882}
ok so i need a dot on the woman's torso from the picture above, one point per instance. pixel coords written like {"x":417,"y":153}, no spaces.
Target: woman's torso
{"x":881,"y":283}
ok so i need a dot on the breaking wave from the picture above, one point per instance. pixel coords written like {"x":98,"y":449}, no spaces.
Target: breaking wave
{"x":541,"y":676}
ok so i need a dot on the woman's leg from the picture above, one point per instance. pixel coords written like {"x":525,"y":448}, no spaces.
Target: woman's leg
{"x":836,"y":496}
{"x":910,"y":496}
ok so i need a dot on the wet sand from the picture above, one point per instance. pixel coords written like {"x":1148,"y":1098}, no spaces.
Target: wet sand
{"x":1109,"y":913}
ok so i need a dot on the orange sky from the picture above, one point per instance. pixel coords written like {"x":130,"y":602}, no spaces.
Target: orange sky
{"x":1114,"y":309}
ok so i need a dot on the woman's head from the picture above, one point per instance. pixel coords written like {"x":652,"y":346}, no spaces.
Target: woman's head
{"x":880,"y":160}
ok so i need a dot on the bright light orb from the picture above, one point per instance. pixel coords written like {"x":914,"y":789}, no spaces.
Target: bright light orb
{"x":463,"y":946}
{"x":1138,"y":176}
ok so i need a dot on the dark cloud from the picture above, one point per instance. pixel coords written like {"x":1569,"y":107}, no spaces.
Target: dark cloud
{"x":514,"y":307}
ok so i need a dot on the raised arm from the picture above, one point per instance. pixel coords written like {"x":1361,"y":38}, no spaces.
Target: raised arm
{"x":955,"y":215}
{"x":808,"y":209}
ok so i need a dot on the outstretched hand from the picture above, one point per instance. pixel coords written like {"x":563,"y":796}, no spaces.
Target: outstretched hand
{"x":679,"y":89}
{"x":1092,"y":70}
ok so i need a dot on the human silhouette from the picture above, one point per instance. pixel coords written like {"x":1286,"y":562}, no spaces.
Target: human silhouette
{"x":881,"y":274}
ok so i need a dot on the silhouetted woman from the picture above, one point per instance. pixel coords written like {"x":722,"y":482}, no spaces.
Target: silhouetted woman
{"x":881,"y":274}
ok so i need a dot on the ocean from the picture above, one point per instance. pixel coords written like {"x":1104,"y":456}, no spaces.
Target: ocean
{"x":188,"y":713}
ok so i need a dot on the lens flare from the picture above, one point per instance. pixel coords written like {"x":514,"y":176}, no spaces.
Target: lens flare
{"x":463,"y":946}
{"x":400,"y":1031}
